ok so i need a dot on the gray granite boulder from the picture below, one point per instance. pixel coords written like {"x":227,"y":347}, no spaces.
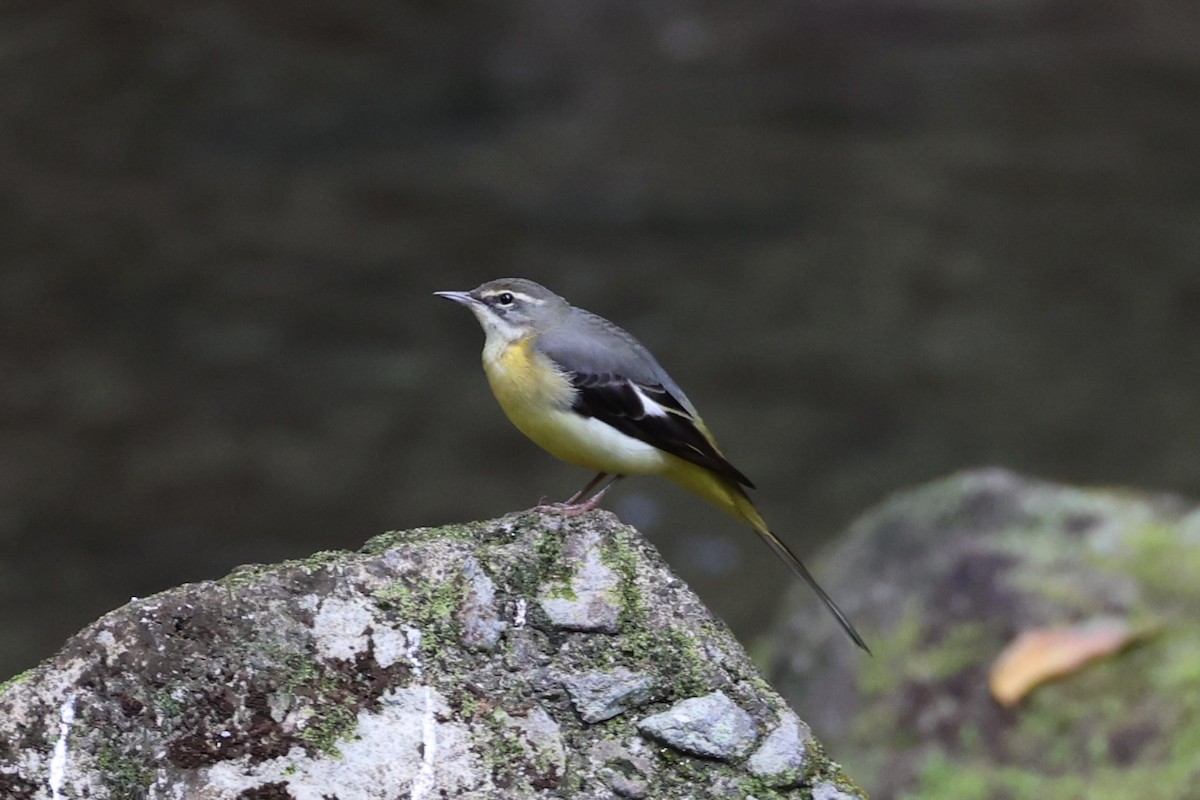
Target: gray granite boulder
{"x":531,"y":656}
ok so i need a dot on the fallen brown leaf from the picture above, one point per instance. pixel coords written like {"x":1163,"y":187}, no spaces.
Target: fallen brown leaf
{"x":1042,"y":654}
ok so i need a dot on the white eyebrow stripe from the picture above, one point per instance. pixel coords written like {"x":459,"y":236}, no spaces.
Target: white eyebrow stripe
{"x":518,"y":295}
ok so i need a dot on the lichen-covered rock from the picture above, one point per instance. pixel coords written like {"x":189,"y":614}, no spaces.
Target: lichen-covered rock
{"x":432,"y":663}
{"x":830,"y":791}
{"x":587,"y":598}
{"x":604,"y":694}
{"x":713,"y":726}
{"x":481,"y":620}
{"x":781,"y":759}
{"x":951,"y":573}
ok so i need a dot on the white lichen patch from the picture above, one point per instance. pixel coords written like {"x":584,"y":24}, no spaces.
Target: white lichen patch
{"x":344,"y":629}
{"x":412,"y":650}
{"x":391,"y":646}
{"x":404,"y":750}
{"x":341,"y":628}
{"x":112,"y":647}
{"x":58,"y":763}
{"x":28,"y":709}
{"x":425,"y":783}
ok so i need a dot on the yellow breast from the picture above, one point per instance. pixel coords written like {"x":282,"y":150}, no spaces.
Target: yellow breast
{"x":537,"y":397}
{"x":524,"y":381}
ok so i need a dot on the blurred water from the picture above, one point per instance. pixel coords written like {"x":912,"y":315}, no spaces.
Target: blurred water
{"x":876,"y":242}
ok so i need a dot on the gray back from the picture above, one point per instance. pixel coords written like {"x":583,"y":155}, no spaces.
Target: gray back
{"x":589,"y":344}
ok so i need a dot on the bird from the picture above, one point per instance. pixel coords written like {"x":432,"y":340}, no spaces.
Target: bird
{"x":586,"y":391}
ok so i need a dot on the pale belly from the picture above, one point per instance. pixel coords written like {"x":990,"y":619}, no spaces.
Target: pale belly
{"x":588,"y":442}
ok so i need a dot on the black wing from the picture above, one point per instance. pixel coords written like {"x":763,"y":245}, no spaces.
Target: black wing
{"x":649,"y":413}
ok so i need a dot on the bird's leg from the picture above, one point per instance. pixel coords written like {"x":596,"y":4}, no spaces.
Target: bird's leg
{"x":573,"y":499}
{"x":594,"y":500}
{"x":574,"y":507}
{"x":546,"y":505}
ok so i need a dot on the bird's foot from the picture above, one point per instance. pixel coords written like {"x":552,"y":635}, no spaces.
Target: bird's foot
{"x":571,"y":508}
{"x":568,"y":509}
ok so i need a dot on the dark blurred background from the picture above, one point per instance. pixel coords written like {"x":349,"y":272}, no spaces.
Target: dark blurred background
{"x":876,"y":241}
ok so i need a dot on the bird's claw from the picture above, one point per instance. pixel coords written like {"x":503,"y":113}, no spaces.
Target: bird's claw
{"x":566,"y":509}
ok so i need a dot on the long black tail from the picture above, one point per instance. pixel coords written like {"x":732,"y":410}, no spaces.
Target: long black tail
{"x":785,"y":553}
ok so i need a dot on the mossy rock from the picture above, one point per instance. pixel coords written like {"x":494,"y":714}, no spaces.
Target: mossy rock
{"x":941,"y":579}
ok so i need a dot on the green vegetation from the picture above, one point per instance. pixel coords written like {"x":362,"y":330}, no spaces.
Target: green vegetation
{"x":429,"y":605}
{"x":125,"y":776}
{"x":14,"y":680}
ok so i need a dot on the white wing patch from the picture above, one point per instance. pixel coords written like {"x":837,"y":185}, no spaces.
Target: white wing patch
{"x":650,"y":406}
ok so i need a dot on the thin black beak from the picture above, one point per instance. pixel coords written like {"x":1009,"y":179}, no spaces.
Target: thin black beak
{"x":459,"y":297}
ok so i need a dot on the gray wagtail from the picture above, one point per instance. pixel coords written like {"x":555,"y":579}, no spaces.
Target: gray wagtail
{"x":589,"y":393}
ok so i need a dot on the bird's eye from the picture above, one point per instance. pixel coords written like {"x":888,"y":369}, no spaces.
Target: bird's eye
{"x":505,"y":298}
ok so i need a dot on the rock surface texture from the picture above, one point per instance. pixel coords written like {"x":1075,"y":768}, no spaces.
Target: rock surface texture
{"x":953,"y":572}
{"x":531,"y":656}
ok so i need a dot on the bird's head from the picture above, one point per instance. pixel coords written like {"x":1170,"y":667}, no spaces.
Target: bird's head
{"x":511,"y":309}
